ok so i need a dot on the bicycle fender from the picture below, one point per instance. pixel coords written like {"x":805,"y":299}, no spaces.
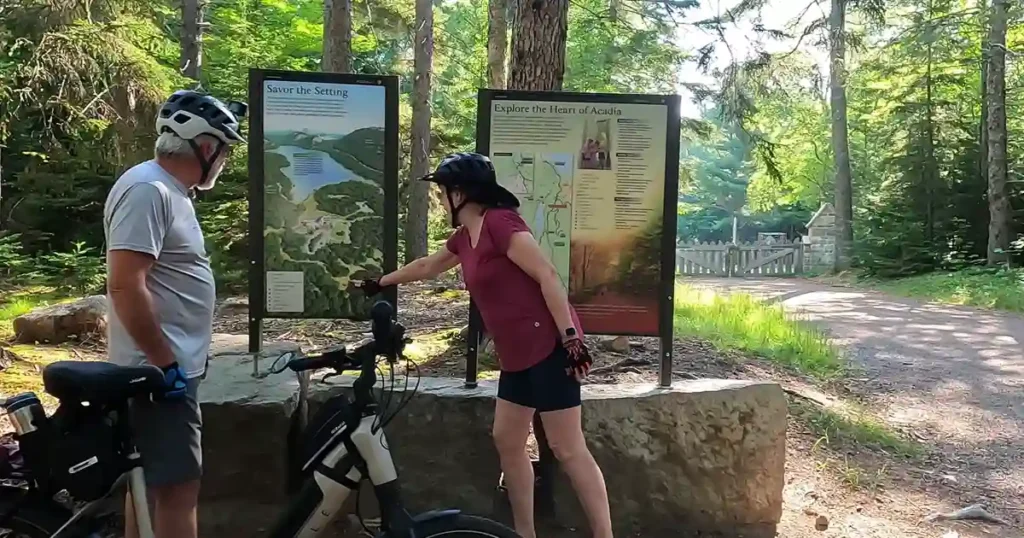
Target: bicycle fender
{"x":436,"y":514}
{"x":430,"y":515}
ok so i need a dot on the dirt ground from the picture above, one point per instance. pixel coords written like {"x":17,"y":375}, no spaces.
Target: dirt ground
{"x":949,"y":378}
{"x":944,"y":381}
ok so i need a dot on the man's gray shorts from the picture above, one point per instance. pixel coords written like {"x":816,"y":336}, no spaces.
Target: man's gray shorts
{"x":168,"y":433}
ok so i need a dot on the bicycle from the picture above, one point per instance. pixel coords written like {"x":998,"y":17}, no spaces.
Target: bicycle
{"x":343,"y":445}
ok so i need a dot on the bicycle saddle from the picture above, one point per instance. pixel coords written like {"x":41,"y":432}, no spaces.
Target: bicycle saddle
{"x":100,"y":382}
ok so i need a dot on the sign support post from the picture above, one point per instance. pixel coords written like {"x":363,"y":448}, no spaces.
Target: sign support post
{"x":670,"y":215}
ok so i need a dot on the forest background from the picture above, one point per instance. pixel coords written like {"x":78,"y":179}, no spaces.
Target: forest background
{"x":906,"y":114}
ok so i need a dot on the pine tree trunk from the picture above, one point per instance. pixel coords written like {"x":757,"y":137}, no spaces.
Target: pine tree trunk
{"x":497,"y":42}
{"x":2,"y":219}
{"x":840,"y":137}
{"x":931,"y":165}
{"x":1000,"y":213}
{"x":419,"y":191}
{"x":538,"y":63}
{"x":539,"y":28}
{"x":983,"y":127}
{"x":337,"y":36}
{"x":191,"y":39}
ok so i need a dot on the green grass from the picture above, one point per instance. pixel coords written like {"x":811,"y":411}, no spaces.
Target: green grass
{"x":17,"y":307}
{"x":850,"y":425}
{"x":984,"y":288}
{"x":22,"y":301}
{"x":24,"y":375}
{"x":740,"y":321}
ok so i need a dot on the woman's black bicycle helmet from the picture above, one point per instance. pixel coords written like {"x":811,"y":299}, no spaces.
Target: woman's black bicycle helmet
{"x":473,"y":175}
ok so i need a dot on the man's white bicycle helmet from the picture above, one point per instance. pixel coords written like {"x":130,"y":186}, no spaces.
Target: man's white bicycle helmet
{"x":189,"y":114}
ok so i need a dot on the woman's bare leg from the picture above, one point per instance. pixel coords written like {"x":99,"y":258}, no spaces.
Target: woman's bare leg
{"x":511,"y":429}
{"x":564,"y":429}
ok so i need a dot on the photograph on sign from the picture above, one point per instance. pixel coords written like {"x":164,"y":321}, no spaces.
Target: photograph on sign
{"x":590,"y":177}
{"x":323,"y":198}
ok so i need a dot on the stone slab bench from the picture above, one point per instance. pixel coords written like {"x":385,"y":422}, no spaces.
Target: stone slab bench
{"x":703,"y":458}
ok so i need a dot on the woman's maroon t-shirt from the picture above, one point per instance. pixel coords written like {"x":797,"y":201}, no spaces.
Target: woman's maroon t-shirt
{"x":509,"y":300}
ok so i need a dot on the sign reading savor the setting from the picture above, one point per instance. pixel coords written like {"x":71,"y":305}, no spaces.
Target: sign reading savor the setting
{"x":323,"y":197}
{"x":593,"y":179}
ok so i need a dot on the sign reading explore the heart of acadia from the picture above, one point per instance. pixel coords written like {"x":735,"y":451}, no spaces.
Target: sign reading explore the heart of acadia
{"x":598,"y":189}
{"x":597,"y":178}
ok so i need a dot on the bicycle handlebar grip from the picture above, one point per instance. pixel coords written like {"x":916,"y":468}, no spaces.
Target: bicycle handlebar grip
{"x":380,"y":321}
{"x":311,"y":363}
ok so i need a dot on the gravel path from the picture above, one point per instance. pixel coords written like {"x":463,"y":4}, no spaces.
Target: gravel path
{"x":951,"y":376}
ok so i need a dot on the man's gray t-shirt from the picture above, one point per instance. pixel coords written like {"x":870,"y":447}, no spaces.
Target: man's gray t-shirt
{"x":149,"y":211}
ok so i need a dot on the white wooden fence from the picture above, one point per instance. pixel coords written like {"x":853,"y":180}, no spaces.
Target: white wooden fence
{"x":744,"y":259}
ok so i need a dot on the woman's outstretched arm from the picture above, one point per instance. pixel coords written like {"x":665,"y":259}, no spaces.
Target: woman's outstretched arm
{"x":422,"y":269}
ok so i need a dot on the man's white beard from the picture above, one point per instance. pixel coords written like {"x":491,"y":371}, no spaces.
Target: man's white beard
{"x":211,"y":179}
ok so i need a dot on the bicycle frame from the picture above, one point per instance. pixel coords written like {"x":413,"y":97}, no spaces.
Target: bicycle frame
{"x":355,"y":456}
{"x":339,"y":466}
{"x":135,"y":479}
{"x":355,"y":449}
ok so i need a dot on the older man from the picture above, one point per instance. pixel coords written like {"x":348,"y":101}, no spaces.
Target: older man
{"x":161,"y":289}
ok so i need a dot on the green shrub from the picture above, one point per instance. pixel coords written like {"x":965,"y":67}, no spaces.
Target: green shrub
{"x":225,"y":225}
{"x":82,"y":270}
{"x":13,"y":259}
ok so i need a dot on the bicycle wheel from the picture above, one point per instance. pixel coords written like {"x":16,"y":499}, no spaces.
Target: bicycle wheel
{"x":30,"y":521}
{"x":463,"y":526}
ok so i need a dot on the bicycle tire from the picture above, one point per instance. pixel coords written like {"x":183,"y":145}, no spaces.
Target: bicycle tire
{"x":463,"y":526}
{"x":31,"y":520}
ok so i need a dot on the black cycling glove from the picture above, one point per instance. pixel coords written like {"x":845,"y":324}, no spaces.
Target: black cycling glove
{"x":371,"y":287}
{"x":580,"y":360}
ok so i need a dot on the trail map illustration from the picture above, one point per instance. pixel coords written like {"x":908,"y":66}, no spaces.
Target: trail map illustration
{"x":324,"y":202}
{"x":543,"y":183}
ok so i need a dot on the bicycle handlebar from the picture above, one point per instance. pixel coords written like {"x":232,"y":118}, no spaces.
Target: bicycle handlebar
{"x":388,"y":339}
{"x":311,"y":363}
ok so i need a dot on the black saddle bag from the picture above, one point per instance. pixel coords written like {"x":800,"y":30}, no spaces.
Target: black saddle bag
{"x":86,"y":456}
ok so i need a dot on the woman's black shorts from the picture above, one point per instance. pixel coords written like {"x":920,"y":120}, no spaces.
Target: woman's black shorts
{"x":544,"y":386}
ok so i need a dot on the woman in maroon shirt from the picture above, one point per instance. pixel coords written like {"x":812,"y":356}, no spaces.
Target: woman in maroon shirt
{"x":536,"y":333}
